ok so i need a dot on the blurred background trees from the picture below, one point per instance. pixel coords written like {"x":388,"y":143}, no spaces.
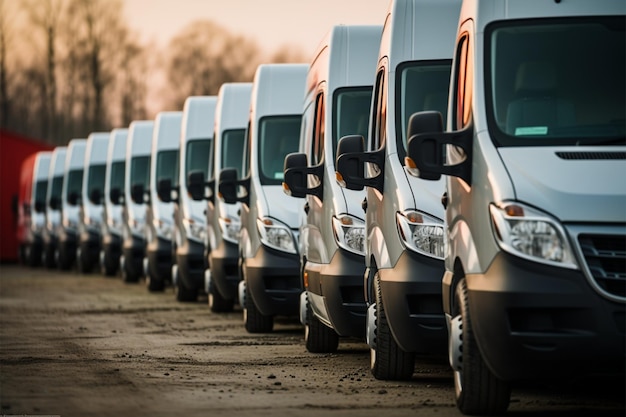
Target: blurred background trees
{"x":72,"y":67}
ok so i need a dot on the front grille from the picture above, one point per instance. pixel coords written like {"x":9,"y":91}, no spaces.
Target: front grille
{"x":605,"y":256}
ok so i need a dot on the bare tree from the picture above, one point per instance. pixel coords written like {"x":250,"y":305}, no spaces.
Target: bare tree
{"x":288,"y":54}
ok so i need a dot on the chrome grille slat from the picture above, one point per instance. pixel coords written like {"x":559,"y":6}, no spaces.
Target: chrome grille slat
{"x":605,"y":256}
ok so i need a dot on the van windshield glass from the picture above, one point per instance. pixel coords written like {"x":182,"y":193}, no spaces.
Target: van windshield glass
{"x":351,"y":113}
{"x":74,"y":182}
{"x":140,"y":171}
{"x":232,"y":149}
{"x":167,"y":166}
{"x":198,"y":156}
{"x":41,"y":188}
{"x":95,"y":179}
{"x":557,"y":82}
{"x":57,"y":187}
{"x":278,"y":136}
{"x":118,"y":170}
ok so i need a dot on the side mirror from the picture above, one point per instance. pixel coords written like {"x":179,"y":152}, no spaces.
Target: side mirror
{"x":350,"y":164}
{"x":39,"y":206}
{"x":95,"y":196}
{"x":426,"y":148}
{"x":136,"y":193}
{"x":115,"y":195}
{"x":195,"y":185}
{"x":54,"y":203}
{"x":165,"y":191}
{"x":296,"y":171}
{"x":231,"y":189}
{"x":72,"y":198}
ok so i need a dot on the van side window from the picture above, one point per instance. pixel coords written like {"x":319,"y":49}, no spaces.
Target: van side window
{"x":379,"y":133}
{"x":317,"y":154}
{"x":245,"y":165}
{"x":463,"y":84}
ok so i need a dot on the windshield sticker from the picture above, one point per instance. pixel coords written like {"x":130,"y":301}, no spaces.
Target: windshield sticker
{"x":531,"y":131}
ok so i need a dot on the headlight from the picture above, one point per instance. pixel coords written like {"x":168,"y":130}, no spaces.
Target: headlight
{"x":421,"y":233}
{"x":164,"y":228}
{"x":349,"y":233}
{"x":531,"y":234}
{"x":137,"y":226}
{"x":276,"y":235}
{"x":195,"y":230}
{"x":230,"y":229}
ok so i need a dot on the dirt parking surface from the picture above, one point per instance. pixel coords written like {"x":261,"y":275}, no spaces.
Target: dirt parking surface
{"x":85,"y":345}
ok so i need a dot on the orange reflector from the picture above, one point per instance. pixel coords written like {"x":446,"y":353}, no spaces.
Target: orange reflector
{"x":268,"y":222}
{"x":305,"y":279}
{"x":409,"y":163}
{"x":346,"y":221}
{"x":514,"y":211}
{"x":415,"y":217}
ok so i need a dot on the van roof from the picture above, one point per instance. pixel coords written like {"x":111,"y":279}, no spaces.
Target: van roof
{"x":57,"y":161}
{"x":278,"y":90}
{"x":139,"y":140}
{"x":42,"y":165}
{"x":345,"y":57}
{"x":198,"y":118}
{"x":96,"y":148}
{"x":419,"y":30}
{"x":484,"y":12}
{"x":75,"y":157}
{"x":167,"y":127}
{"x":117,"y":145}
{"x":233,"y":104}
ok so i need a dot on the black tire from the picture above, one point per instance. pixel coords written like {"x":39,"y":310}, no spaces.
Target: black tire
{"x":184,"y":294}
{"x":34,"y":256}
{"x":109,"y":266}
{"x":65,"y":261}
{"x":84,"y":265}
{"x":318,"y":337}
{"x":129,"y":275}
{"x":254,"y":321}
{"x":48,"y":257}
{"x":388,"y":360}
{"x":477,"y":389}
{"x":154,"y":284}
{"x":217,"y":302}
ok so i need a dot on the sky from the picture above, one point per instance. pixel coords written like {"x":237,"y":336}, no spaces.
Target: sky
{"x":271,"y":23}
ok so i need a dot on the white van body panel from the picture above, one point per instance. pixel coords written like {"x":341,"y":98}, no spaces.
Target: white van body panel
{"x":116,"y":152}
{"x":139,"y":143}
{"x":57,"y":169}
{"x":95,"y":154}
{"x":40,"y":175}
{"x":74,"y":160}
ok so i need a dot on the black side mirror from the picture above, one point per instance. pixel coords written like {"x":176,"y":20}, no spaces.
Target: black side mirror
{"x":54,"y":203}
{"x":95,"y":196}
{"x":136,"y":193}
{"x":351,"y":160}
{"x":115,"y":195}
{"x":426,"y":148}
{"x":296,"y":171}
{"x":195,"y":185}
{"x":231,"y":189}
{"x":165,"y":191}
{"x":39,"y":206}
{"x":72,"y":198}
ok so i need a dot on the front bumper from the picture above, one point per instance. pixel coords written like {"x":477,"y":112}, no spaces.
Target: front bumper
{"x":191,"y":265}
{"x":223,"y":262}
{"x":159,"y":254}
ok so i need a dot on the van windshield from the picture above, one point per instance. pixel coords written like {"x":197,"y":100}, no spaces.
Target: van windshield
{"x":420,"y":86}
{"x":557,"y":81}
{"x":57,"y":187}
{"x":95,"y":179}
{"x":140,"y":171}
{"x":351,"y":113}
{"x":74,"y":182}
{"x":199,"y":156}
{"x":232,"y":149}
{"x":41,"y":188}
{"x":278,"y":136}
{"x":167,"y":166}
{"x":118,"y":170}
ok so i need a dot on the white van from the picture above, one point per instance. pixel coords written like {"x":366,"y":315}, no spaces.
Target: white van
{"x":404,"y":216}
{"x":196,"y":144}
{"x":337,"y":103}
{"x":535,"y":151}
{"x":136,"y":179}
{"x":54,"y":194}
{"x":90,"y":223}
{"x":112,"y":221}
{"x":268,"y":245}
{"x":160,"y":215}
{"x":72,"y":190}
{"x":32,"y":207}
{"x":231,"y":118}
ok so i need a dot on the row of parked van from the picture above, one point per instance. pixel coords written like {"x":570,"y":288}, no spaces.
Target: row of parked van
{"x":449,"y":183}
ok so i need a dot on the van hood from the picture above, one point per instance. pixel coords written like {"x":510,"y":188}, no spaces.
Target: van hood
{"x":281,"y":206}
{"x":574,"y":184}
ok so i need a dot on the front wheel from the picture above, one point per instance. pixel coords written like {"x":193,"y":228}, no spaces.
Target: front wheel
{"x":217,"y":302}
{"x":254,"y":320}
{"x":318,"y":337}
{"x":477,"y":389}
{"x":388,"y":360}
